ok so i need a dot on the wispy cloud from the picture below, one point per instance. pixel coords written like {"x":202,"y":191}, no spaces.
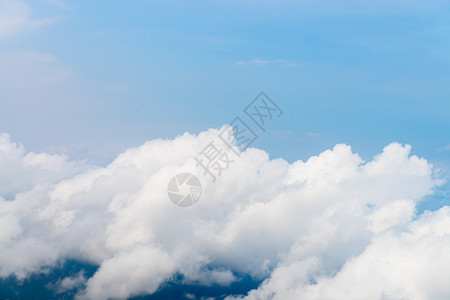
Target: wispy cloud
{"x":314,"y":134}
{"x":266,"y":62}
{"x":27,"y":71}
{"x":443,"y":149}
{"x":58,"y":3}
{"x":15,"y":16}
{"x":261,"y":62}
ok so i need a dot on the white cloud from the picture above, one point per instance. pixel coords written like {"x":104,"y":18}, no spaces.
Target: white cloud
{"x":68,"y":283}
{"x":313,"y":228}
{"x":23,"y":171}
{"x":265,"y":62}
{"x":15,"y":16}
{"x":58,"y":3}
{"x":30,"y":80}
{"x":31,"y":71}
{"x":397,"y":264}
{"x":260,"y":62}
{"x":35,"y":87}
{"x":445,"y":148}
{"x":129,"y":273}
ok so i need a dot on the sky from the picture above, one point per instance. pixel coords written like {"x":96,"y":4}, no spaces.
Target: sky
{"x":86,"y":87}
{"x":94,"y":79}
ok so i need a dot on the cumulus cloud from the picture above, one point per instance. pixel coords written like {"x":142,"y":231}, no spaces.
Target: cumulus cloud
{"x":396,"y":264}
{"x":331,"y":227}
{"x":22,"y":171}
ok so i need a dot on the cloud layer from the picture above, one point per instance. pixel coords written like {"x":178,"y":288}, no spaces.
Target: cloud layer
{"x":331,"y":227}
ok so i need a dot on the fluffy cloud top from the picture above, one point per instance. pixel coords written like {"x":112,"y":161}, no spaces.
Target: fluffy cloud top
{"x":331,"y":227}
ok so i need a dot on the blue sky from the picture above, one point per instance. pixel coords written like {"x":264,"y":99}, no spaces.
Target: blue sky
{"x":363,"y":75}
